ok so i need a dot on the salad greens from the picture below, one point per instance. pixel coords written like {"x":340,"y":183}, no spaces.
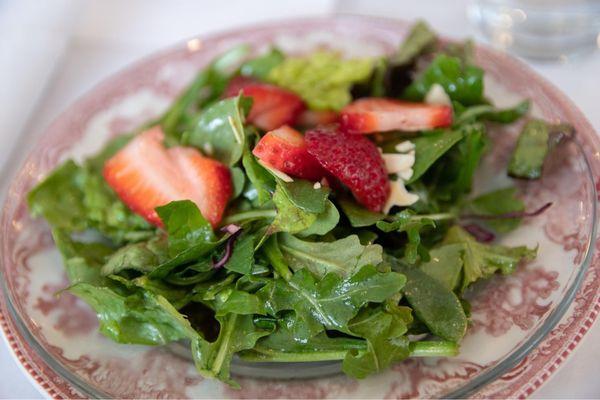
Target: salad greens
{"x":300,"y":270}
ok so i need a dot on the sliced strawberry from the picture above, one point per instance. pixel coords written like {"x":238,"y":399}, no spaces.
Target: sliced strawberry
{"x":370,"y":115}
{"x":272,"y":106}
{"x":285,"y":150}
{"x":355,"y":161}
{"x":146,"y":175}
{"x":312,"y":118}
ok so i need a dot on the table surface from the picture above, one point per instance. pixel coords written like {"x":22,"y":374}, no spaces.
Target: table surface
{"x":80,"y":42}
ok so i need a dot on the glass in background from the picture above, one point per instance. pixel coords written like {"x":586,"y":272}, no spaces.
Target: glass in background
{"x":540,"y":29}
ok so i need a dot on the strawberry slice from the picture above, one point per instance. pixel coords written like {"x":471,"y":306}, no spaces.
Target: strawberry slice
{"x":370,"y":115}
{"x":272,"y":106}
{"x":355,"y":161}
{"x":146,"y":175}
{"x":312,"y":118}
{"x":285,"y":150}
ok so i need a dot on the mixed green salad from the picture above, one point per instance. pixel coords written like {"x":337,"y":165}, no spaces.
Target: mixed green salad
{"x":294,"y":208}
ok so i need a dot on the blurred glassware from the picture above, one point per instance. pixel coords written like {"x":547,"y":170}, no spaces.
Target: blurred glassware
{"x":541,"y":29}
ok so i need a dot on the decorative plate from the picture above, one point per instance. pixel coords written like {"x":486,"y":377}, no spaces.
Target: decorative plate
{"x":523,"y":326}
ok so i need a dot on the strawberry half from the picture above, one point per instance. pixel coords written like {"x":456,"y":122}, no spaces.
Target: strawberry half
{"x":146,"y":175}
{"x":272,"y":106}
{"x":355,"y":161}
{"x":370,"y":115}
{"x":285,"y":150}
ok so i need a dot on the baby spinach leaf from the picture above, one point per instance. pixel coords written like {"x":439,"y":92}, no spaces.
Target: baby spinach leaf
{"x":429,"y":148}
{"x":463,"y":83}
{"x":185,"y":225}
{"x":528,"y":157}
{"x":142,"y":257}
{"x":237,"y":333}
{"x":262,"y":181}
{"x":433,"y":303}
{"x":486,"y":112}
{"x":329,"y":302}
{"x":384,"y":331}
{"x":289,"y":218}
{"x":83,"y":260}
{"x":138,"y":318}
{"x":238,"y":180}
{"x":482,"y":260}
{"x":219,"y":130}
{"x":407,"y":221}
{"x":323,"y":79}
{"x":261,"y":66}
{"x":445,"y":265}
{"x":242,"y":257}
{"x":497,"y":202}
{"x":325,"y":222}
{"x":59,"y":198}
{"x":341,"y":257}
{"x":305,"y":196}
{"x":206,"y":87}
{"x":357,"y":215}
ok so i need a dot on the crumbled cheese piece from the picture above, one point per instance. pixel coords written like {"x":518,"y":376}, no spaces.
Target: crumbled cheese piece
{"x":279,"y":174}
{"x":437,"y":96}
{"x":399,"y":196}
{"x":398,"y":163}
{"x":317,"y":185}
{"x":208,"y":149}
{"x":405,"y":147}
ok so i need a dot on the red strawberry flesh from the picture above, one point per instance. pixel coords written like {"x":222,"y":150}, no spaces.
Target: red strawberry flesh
{"x":355,"y":161}
{"x":369,"y":115}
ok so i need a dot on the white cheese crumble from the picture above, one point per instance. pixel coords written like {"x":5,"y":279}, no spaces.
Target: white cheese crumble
{"x":279,"y":174}
{"x":317,"y":185}
{"x":437,"y":96}
{"x":400,"y":164}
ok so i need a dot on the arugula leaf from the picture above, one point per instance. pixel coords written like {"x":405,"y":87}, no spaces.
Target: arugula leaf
{"x":329,"y":302}
{"x":407,"y":221}
{"x":289,"y":218}
{"x":185,"y":225}
{"x":497,"y":202}
{"x":237,"y":333}
{"x":384,"y":331}
{"x":463,"y":83}
{"x":242,"y":257}
{"x":357,"y":215}
{"x":275,"y":257}
{"x":486,"y":112}
{"x":261,"y":66}
{"x":445,"y":265}
{"x":208,"y":85}
{"x":530,"y":153}
{"x":142,"y":257}
{"x":341,"y":257}
{"x":305,"y":196}
{"x":238,"y":180}
{"x":325,"y":222}
{"x":282,"y":345}
{"x":420,"y":38}
{"x":433,"y":303}
{"x":322,"y":79}
{"x":219,"y":130}
{"x":237,"y":302}
{"x":429,"y":148}
{"x":481,"y":260}
{"x":138,"y":318}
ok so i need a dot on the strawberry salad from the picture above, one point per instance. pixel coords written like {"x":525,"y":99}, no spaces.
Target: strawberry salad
{"x":295,"y":208}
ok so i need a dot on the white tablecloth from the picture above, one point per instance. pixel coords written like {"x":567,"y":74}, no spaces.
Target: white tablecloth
{"x":52,"y":51}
